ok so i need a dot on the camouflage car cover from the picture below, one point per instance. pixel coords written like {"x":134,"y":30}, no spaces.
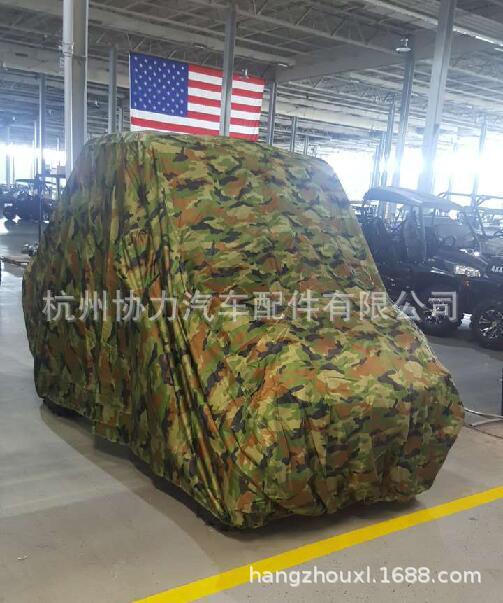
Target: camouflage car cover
{"x":257,"y":417}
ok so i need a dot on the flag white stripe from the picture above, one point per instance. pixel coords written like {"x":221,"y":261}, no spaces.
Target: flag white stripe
{"x":205,"y":93}
{"x":238,"y":84}
{"x":243,"y":130}
{"x":203,"y":77}
{"x":175,"y":119}
{"x":245,"y":100}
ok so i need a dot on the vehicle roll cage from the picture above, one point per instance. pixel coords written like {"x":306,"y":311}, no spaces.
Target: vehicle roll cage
{"x":476,"y":205}
{"x":421,"y":201}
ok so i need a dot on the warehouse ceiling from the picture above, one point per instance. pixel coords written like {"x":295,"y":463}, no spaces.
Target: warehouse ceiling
{"x":335,"y":60}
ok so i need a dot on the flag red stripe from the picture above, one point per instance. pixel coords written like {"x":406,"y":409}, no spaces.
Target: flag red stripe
{"x":201,"y":100}
{"x":204,"y":86}
{"x":247,"y":108}
{"x":205,"y":70}
{"x":250,"y":123}
{"x":160,"y":125}
{"x":205,"y":116}
{"x":236,"y":121}
{"x":246,"y":93}
{"x":251,"y":137}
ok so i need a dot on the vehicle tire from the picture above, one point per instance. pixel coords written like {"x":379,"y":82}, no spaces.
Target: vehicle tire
{"x":438,"y":326}
{"x":60,"y":411}
{"x":9,"y":213}
{"x":487,"y":324}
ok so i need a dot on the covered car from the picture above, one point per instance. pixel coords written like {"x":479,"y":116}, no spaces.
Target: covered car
{"x":256,"y":415}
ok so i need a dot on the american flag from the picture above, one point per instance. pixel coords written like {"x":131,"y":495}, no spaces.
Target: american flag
{"x":180,"y":97}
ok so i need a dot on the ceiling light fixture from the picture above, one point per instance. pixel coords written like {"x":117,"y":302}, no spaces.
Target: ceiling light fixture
{"x":404,"y":46}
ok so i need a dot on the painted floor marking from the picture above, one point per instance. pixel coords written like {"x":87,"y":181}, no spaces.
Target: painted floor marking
{"x":239,"y":576}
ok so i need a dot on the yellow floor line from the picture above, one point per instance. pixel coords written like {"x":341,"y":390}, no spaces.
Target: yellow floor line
{"x":309,"y":552}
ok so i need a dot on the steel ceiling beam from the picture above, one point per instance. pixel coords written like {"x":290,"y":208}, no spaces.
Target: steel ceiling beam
{"x":379,"y":53}
{"x":345,"y":58}
{"x":465,"y":22}
{"x":484,"y":103}
{"x":39,"y":60}
{"x":271,"y":20}
{"x":148,"y":25}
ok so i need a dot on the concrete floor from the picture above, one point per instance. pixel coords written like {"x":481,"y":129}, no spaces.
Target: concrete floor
{"x":79,"y":522}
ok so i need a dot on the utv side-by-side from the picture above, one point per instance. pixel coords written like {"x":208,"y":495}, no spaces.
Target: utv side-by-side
{"x":425,"y":251}
{"x":29,"y":199}
{"x":259,"y":415}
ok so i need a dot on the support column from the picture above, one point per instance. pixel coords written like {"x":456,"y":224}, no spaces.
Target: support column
{"x":408,"y":82}
{"x":230,"y":41}
{"x":455,"y":149}
{"x":42,"y":113}
{"x":120,"y":117}
{"x":436,"y":97}
{"x":293,"y":135}
{"x":112,"y":90}
{"x":306,"y":144}
{"x":35,"y":148}
{"x":376,"y":171}
{"x":388,"y":141}
{"x":42,"y":120}
{"x":7,"y":155}
{"x":271,"y":118}
{"x":75,"y":19}
{"x":482,"y":146}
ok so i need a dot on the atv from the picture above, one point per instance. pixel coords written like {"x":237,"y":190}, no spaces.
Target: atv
{"x":29,"y":199}
{"x":421,"y":261}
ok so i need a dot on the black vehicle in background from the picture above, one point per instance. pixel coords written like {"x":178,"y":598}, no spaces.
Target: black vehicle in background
{"x":29,"y":199}
{"x":423,"y":258}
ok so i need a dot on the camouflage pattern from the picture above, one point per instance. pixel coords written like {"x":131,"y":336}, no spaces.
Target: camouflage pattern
{"x":255,"y":419}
